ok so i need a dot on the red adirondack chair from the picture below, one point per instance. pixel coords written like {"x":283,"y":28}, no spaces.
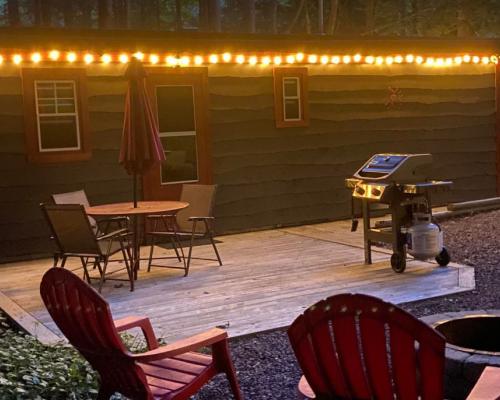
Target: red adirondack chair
{"x":171,"y":372}
{"x":353,"y":346}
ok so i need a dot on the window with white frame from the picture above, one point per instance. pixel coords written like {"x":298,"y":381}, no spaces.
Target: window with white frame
{"x":291,"y":106}
{"x":291,"y":99}
{"x":57,"y":115}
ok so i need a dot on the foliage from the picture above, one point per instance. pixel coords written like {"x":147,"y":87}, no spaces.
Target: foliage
{"x":419,"y":18}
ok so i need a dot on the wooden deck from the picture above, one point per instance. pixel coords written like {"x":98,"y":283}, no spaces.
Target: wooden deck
{"x":267,"y":279}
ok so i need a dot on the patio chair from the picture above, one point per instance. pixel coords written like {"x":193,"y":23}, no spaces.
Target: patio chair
{"x":192,"y":223}
{"x":171,"y":372}
{"x":353,"y":346}
{"x":100,"y":226}
{"x":74,"y":237}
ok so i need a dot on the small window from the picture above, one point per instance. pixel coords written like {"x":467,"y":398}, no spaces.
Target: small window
{"x":290,"y":95}
{"x":56,"y":128}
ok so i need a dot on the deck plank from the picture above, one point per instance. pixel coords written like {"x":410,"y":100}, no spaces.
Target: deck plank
{"x":267,"y":279}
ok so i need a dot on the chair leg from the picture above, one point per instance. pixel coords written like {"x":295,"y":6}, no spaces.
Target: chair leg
{"x":191,"y":243}
{"x":127,"y":266}
{"x":151,"y":249}
{"x":175,"y":249}
{"x":84,"y":261}
{"x":223,"y":359}
{"x":63,"y":262}
{"x":103,"y":274}
{"x":211,"y":236}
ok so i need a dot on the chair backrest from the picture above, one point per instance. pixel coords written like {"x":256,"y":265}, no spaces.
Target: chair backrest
{"x":71,"y":229}
{"x":84,"y":317}
{"x":353,"y":346}
{"x":201,"y":203}
{"x":76,"y":197}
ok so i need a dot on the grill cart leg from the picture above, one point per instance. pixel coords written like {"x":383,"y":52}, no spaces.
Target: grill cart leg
{"x":366,"y":230}
{"x":398,"y":215}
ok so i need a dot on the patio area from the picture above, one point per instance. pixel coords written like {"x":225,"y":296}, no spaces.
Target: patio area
{"x":268,"y":278}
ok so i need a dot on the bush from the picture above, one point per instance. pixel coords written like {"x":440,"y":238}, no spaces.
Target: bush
{"x":31,"y":370}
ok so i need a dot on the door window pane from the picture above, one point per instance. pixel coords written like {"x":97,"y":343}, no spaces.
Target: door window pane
{"x":175,"y":108}
{"x":181,"y":163}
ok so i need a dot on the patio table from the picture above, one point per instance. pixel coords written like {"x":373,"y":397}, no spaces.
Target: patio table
{"x":143,"y":208}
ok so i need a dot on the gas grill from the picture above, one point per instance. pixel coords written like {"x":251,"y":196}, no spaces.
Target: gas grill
{"x":399,"y":185}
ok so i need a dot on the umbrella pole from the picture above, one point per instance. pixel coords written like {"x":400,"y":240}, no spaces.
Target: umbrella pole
{"x":136,"y":254}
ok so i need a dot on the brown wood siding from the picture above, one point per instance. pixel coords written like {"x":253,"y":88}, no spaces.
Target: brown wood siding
{"x":24,"y":185}
{"x":272,"y":177}
{"x":497,"y":88}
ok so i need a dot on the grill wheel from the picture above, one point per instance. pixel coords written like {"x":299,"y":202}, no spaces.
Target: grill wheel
{"x":398,"y":263}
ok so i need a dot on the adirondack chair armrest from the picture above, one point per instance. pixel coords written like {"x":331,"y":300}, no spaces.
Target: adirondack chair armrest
{"x":208,"y":338}
{"x":144,"y":323}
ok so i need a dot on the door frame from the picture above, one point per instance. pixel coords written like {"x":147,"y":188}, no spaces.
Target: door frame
{"x":189,"y":76}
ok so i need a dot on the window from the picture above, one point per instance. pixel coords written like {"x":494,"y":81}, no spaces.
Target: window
{"x":55,"y":115}
{"x":290,"y":97}
{"x":178,"y":134}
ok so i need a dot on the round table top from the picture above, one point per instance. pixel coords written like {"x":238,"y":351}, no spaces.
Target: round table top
{"x":143,"y":208}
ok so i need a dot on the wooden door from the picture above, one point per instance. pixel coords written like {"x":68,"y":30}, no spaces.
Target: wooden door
{"x":180,"y":101}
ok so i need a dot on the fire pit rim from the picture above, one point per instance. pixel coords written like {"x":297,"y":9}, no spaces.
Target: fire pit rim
{"x":468,"y":316}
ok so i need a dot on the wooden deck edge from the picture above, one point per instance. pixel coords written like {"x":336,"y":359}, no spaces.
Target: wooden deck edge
{"x":28,"y":322}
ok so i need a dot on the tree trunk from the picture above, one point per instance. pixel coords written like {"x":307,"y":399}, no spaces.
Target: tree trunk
{"x":321,"y":17}
{"x":42,"y":10}
{"x":308,"y":20}
{"x":250,"y":15}
{"x":13,"y":12}
{"x":274,"y":16}
{"x":370,"y":17}
{"x":402,"y":16}
{"x":68,"y":13}
{"x":332,"y":18}
{"x":86,"y":10}
{"x":178,"y":15}
{"x":413,"y":18}
{"x":120,"y":13}
{"x":102,"y":13}
{"x":214,"y":15}
{"x":297,"y":16}
{"x":203,"y":15}
{"x":464,"y":27}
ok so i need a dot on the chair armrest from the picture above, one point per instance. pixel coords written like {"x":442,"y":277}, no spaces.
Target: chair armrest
{"x":144,"y":323}
{"x":213,"y":336}
{"x":112,"y":235}
{"x":488,"y":385}
{"x":201,"y":218}
{"x":157,"y":216}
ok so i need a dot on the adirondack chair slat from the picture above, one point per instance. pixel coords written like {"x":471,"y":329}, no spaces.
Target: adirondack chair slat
{"x":85,"y":319}
{"x":375,"y":345}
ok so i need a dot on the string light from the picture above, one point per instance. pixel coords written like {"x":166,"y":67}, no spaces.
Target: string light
{"x":54,"y":55}
{"x":139,"y":55}
{"x":106,"y":58}
{"x":154,"y":58}
{"x":312,"y":59}
{"x":467,"y":58}
{"x":36,"y":57}
{"x":458,"y":60}
{"x":184,"y":61}
{"x":419,"y":59}
{"x":266,"y":60}
{"x":494,"y":59}
{"x":324,"y":60}
{"x":448,"y":61}
{"x":240,"y":58}
{"x":410,"y":58}
{"x":290,"y":59}
{"x":357,"y":58}
{"x":17,"y":59}
{"x":475,"y":59}
{"x":379,"y":60}
{"x":213,"y":59}
{"x":370,"y":59}
{"x":198,"y":60}
{"x":398,"y":59}
{"x":226,"y":57}
{"x":1,"y":59}
{"x":429,"y":61}
{"x":389,"y":60}
{"x":277,"y":60}
{"x":71,"y":57}
{"x":485,"y":60}
{"x":88,"y":58}
{"x":252,"y":60}
{"x":299,"y":57}
{"x":335,"y":59}
{"x":123,"y":58}
{"x":171,"y":60}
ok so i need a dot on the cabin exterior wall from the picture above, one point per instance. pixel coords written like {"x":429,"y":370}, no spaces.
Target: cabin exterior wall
{"x":269,"y":176}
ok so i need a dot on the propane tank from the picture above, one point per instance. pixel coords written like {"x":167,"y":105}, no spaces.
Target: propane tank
{"x":424,"y":239}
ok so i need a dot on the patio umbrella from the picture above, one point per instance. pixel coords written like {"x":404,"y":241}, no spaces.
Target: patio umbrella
{"x":141,"y":147}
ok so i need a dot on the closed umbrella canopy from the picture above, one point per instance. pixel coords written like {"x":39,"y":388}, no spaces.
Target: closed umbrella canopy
{"x":141,"y":147}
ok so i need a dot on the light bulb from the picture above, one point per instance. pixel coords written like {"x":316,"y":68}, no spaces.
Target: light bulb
{"x":410,"y":58}
{"x":171,"y":61}
{"x":398,"y":59}
{"x":389,"y":60}
{"x":429,"y":61}
{"x":458,"y":60}
{"x":312,"y":59}
{"x":346,"y":59}
{"x":324,"y":60}
{"x":240,"y":58}
{"x":290,"y":59}
{"x":494,"y":59}
{"x":448,"y":61}
{"x":467,"y":58}
{"x":123,"y":58}
{"x":379,"y":60}
{"x":1,"y":59}
{"x":71,"y":57}
{"x":299,"y":57}
{"x":357,"y":58}
{"x":277,"y":60}
{"x":17,"y":59}
{"x":36,"y":57}
{"x":184,"y":61}
{"x":439,"y":62}
{"x":198,"y":60}
{"x":54,"y":55}
{"x":485,"y":60}
{"x":106,"y":58}
{"x":214,"y":58}
{"x":252,"y":60}
{"x":266,"y":60}
{"x":475,"y":59}
{"x":88,"y":58}
{"x":369,"y":59}
{"x":419,"y":59}
{"x":226,"y":57}
{"x":139,"y":55}
{"x":335,"y":59}
{"x":154,"y":59}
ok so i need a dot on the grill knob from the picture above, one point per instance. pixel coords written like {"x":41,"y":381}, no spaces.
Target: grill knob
{"x":360,"y":190}
{"x":375,"y":192}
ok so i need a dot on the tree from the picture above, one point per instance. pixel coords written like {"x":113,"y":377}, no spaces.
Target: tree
{"x":332,"y":18}
{"x":13,"y":12}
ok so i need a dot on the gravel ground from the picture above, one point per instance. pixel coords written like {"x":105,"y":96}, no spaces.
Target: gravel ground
{"x":266,"y":365}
